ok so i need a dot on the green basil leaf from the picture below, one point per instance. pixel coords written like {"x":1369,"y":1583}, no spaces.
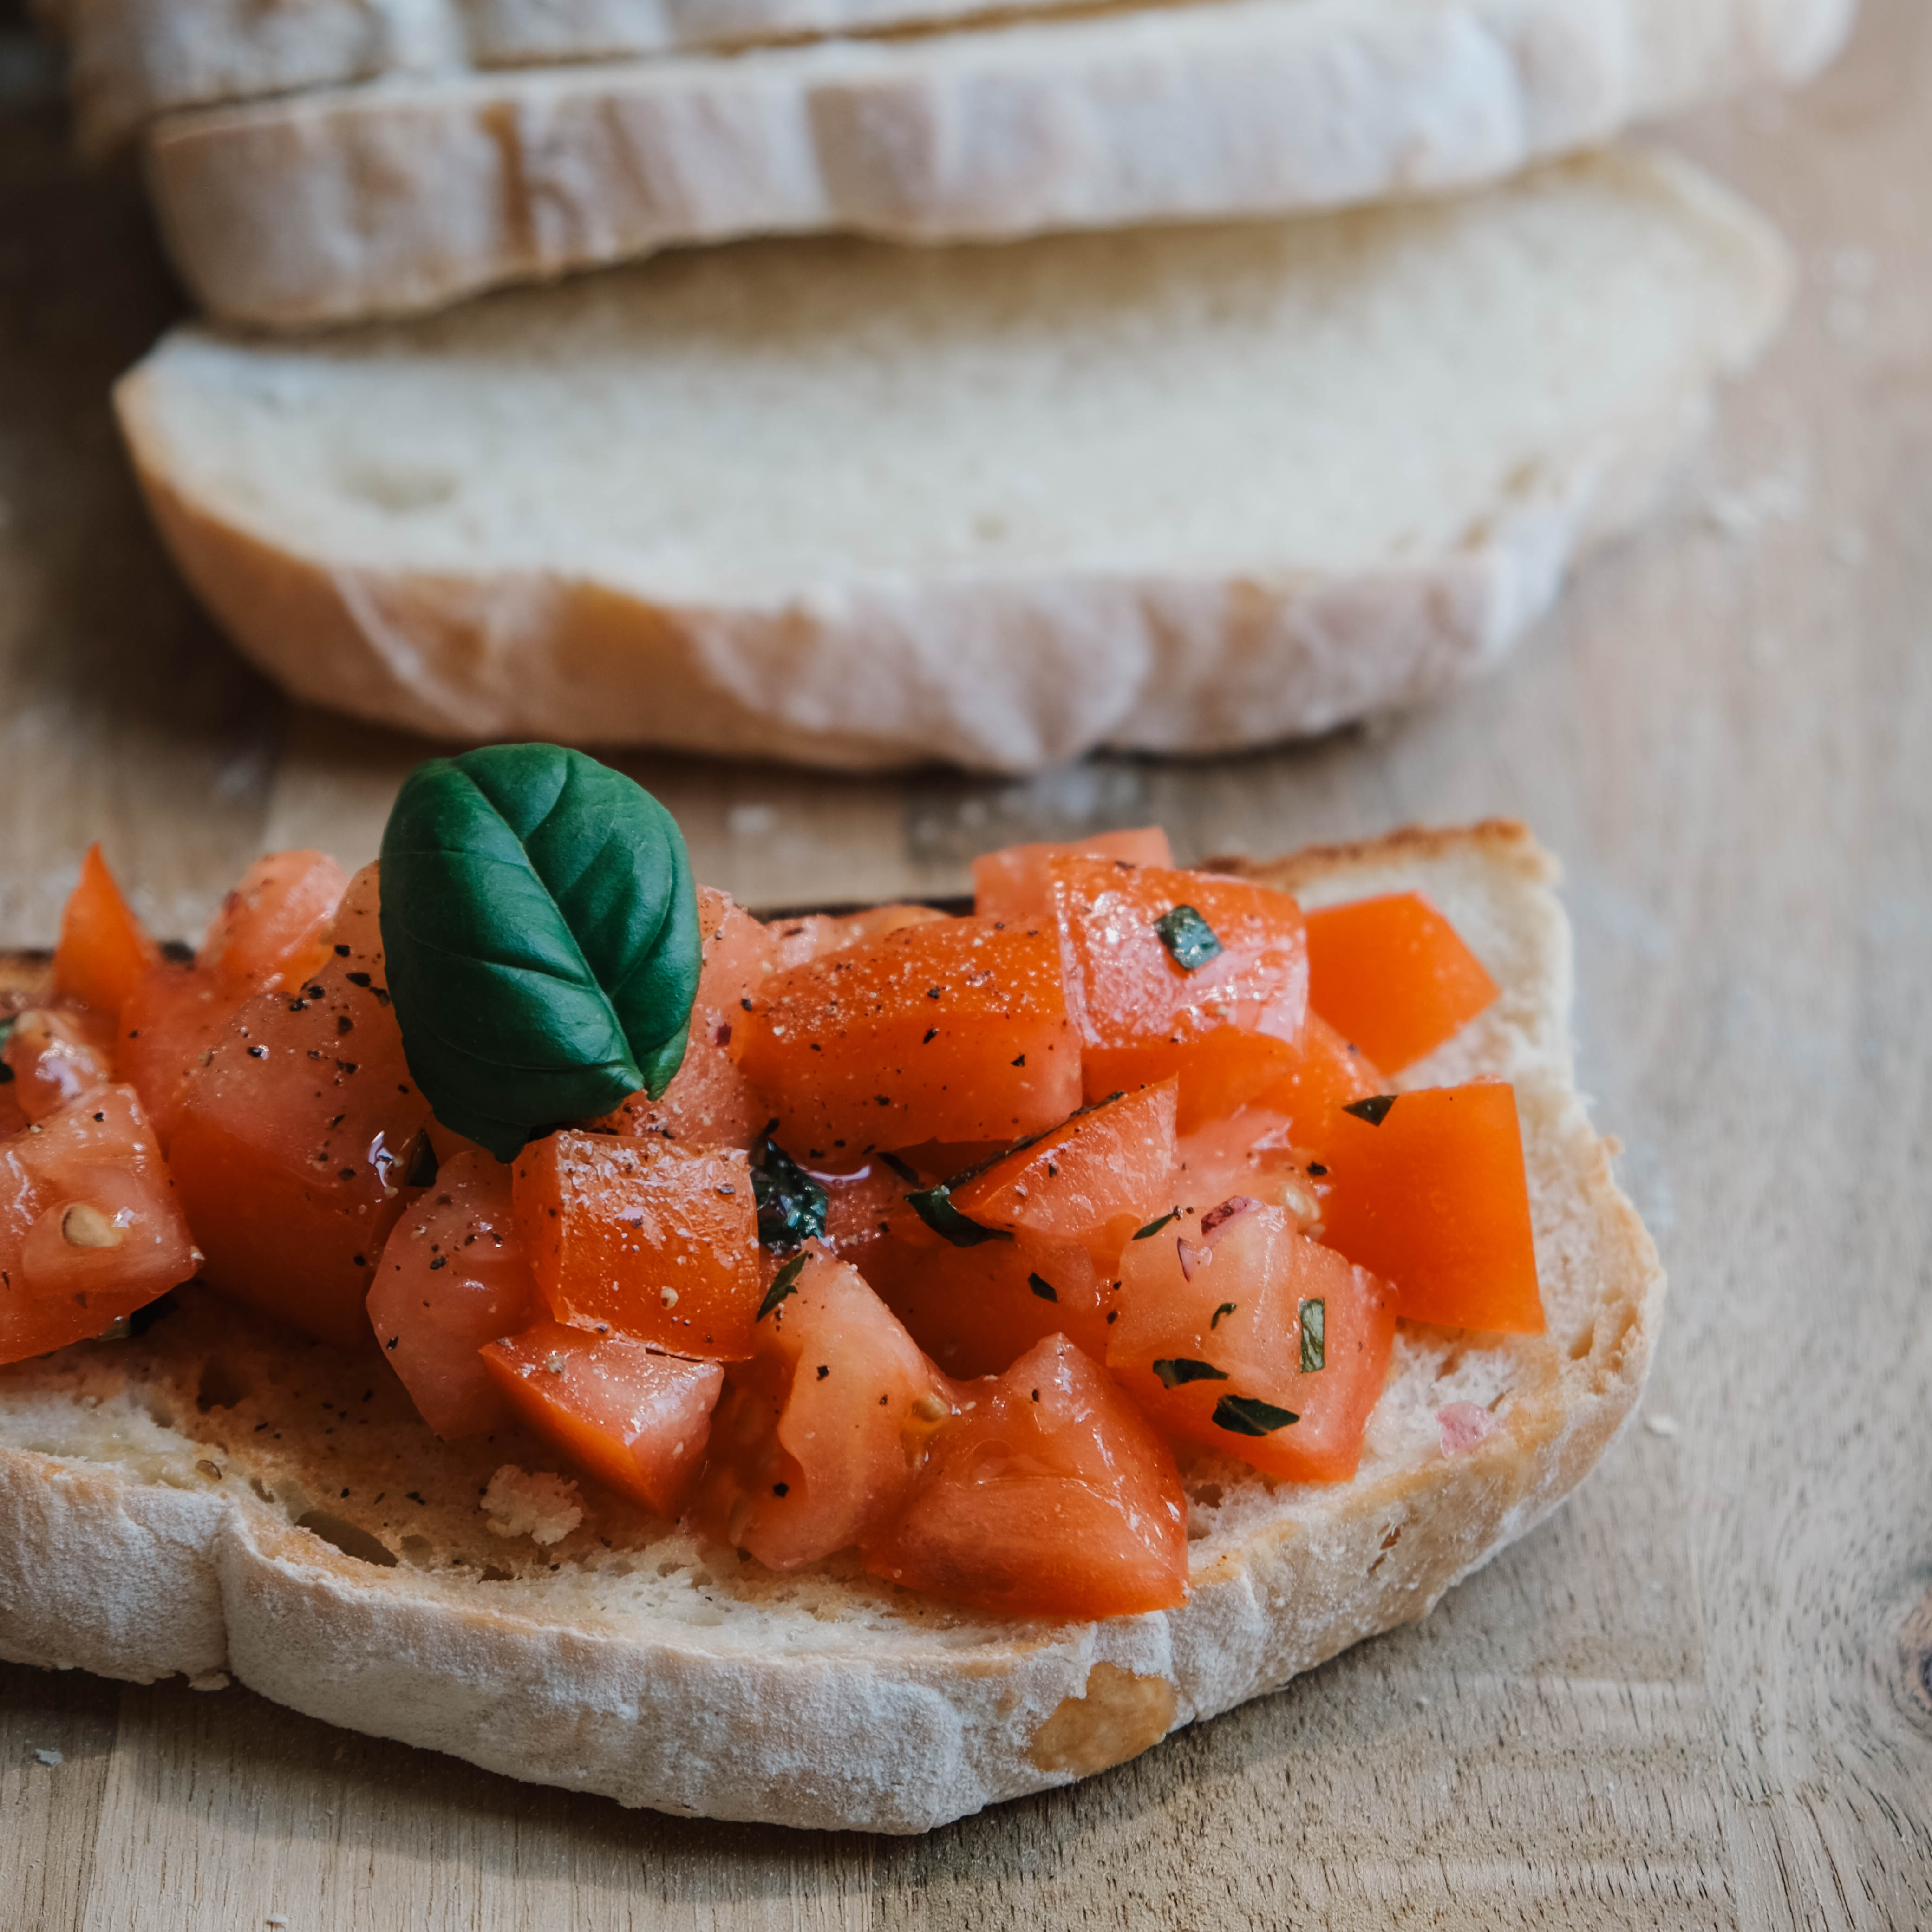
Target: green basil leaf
{"x":791,"y":1205}
{"x":1249,"y":1415}
{"x":934,"y":1206}
{"x":1180,"y":1369}
{"x":784,"y":1286}
{"x":540,"y":926}
{"x":1314,"y":1335}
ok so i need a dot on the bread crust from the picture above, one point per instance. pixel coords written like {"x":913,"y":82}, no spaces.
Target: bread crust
{"x":366,"y":202}
{"x":147,"y":1527}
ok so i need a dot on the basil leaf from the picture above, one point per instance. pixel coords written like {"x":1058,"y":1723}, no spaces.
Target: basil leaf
{"x":934,"y":1206}
{"x":791,"y":1205}
{"x":784,"y":1286}
{"x":1041,"y":1287}
{"x":1314,"y":1335}
{"x":1249,"y":1415}
{"x":1191,"y":942}
{"x":1375,"y":1109}
{"x":1180,"y":1369}
{"x":540,"y":931}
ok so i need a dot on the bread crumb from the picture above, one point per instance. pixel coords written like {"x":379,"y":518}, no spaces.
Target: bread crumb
{"x":542,"y":1507}
{"x":208,"y":1680}
{"x":1666,"y":1426}
{"x":50,"y":1757}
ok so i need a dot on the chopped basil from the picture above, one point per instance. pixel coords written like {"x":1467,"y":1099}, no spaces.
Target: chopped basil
{"x":1178,"y":1368}
{"x":1154,"y":1228}
{"x":1374,"y":1109}
{"x":1041,"y":1287}
{"x":791,"y":1205}
{"x":8,"y":1022}
{"x":934,"y":1206}
{"x":1189,"y":938}
{"x":1314,"y":1344}
{"x":784,"y":1283}
{"x":541,"y":937}
{"x":1226,"y":1308}
{"x":1249,"y":1415}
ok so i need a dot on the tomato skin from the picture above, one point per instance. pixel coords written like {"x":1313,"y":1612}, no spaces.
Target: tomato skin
{"x":1180,"y":1314}
{"x":1393,"y":975}
{"x":637,"y":1420}
{"x":818,"y":1436}
{"x":1435,"y":1200}
{"x":1014,"y":883}
{"x":57,"y":1282}
{"x":174,"y":1016}
{"x":292,"y":1146}
{"x":641,"y":1237}
{"x":954,"y":1030}
{"x":103,"y":948}
{"x":1228,"y":1028}
{"x":1048,"y":1495}
{"x":272,"y":930}
{"x":709,"y":1103}
{"x":818,"y":935}
{"x":453,"y":1276}
{"x":57,"y":1054}
{"x":1094,"y":1180}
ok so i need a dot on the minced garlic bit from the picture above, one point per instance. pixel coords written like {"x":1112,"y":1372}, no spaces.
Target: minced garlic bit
{"x":540,"y":1506}
{"x":555,"y":1364}
{"x":83,"y":1225}
{"x":668,"y":1296}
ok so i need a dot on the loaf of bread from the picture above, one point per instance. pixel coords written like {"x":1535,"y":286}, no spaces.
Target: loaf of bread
{"x":217,"y":1497}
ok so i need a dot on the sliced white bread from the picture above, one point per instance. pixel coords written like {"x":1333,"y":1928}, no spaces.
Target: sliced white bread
{"x":389,"y":199}
{"x":134,"y":59}
{"x":153,"y":1497}
{"x":1175,"y":490}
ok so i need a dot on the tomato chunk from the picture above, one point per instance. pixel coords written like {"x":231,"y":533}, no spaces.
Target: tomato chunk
{"x":273,"y":930}
{"x":955,"y":1030}
{"x":1327,"y":1074}
{"x":1094,"y":1179}
{"x":293,"y":1147}
{"x":976,"y":1310}
{"x":818,"y":1436}
{"x":816,"y":935}
{"x":173,"y":1018}
{"x":1181,"y":974}
{"x":635,"y":1420}
{"x":1048,"y":1495}
{"x":1015,"y":882}
{"x":56,"y":1054}
{"x":641,"y":1237}
{"x":709,"y":1103}
{"x":1434,"y":1201}
{"x":1393,"y":975}
{"x":453,"y":1275}
{"x":1239,"y":1334}
{"x":103,"y":948}
{"x":90,"y":1227}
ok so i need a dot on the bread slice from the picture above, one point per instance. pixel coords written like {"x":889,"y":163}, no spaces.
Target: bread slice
{"x":381,"y":200}
{"x":1178,"y":490}
{"x":216,"y":1497}
{"x":135,"y":59}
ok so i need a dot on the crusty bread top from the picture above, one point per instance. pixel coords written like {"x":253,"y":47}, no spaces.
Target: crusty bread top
{"x":826,"y":1697}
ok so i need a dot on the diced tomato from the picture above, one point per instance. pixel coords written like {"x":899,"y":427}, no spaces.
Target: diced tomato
{"x":56,"y":1054}
{"x":1239,"y":1334}
{"x":1093,"y":1180}
{"x":634,"y":1419}
{"x":818,"y":1437}
{"x":976,"y":1310}
{"x":1048,"y":1496}
{"x":952,"y":1031}
{"x":453,"y":1275}
{"x":1249,"y":1154}
{"x":170,"y":1023}
{"x":709,"y":1103}
{"x":1393,"y":975}
{"x":272,"y":930}
{"x":1434,"y":1199}
{"x":1014,"y":883}
{"x":1326,"y":1075}
{"x":90,"y":1228}
{"x":816,"y":935}
{"x":293,"y":1147}
{"x":104,"y":948}
{"x":1227,"y":1022}
{"x":642,"y":1237}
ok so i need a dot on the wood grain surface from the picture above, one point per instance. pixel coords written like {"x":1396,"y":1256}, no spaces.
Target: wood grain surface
{"x":1701,"y":1695}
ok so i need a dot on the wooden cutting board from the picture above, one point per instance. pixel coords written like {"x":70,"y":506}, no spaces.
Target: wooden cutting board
{"x":1701,"y":1695}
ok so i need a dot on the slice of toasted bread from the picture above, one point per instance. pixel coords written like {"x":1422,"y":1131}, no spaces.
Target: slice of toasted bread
{"x":1175,"y":489}
{"x":214,"y":1496}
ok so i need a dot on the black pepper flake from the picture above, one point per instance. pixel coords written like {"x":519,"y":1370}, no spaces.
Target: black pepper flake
{"x":931,"y":1034}
{"x":343,"y":1024}
{"x":415,"y":1496}
{"x":347,"y":1173}
{"x":932,"y":993}
{"x":392,"y":1342}
{"x":258,"y":1053}
{"x":1226,"y":1308}
{"x":1020,"y":1062}
{"x":1315,"y":1168}
{"x":1041,"y":1287}
{"x":357,"y":979}
{"x":1375,"y":1109}
{"x":781,"y":1489}
{"x":361,"y":1261}
{"x":824,"y":1370}
{"x":1036,"y":1395}
{"x":438,"y":1261}
{"x":342,"y":953}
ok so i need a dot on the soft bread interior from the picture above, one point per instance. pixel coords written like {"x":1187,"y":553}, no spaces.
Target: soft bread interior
{"x":217,"y":1495}
{"x":743,"y":426}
